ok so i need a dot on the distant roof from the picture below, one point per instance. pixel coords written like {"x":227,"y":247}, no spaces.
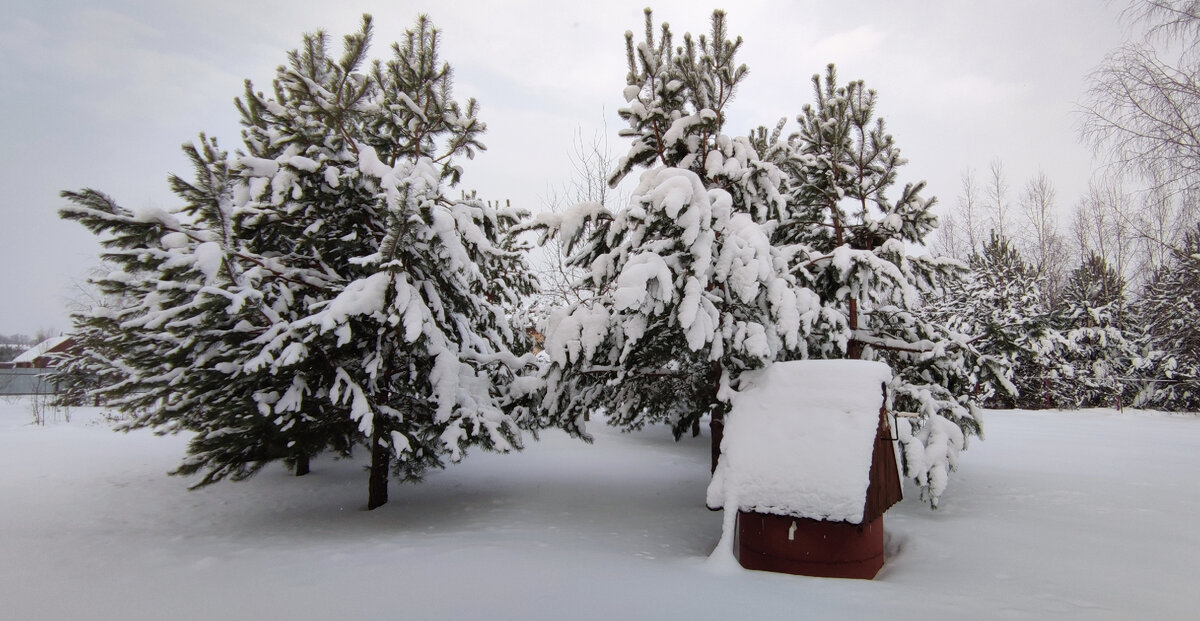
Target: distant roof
{"x":799,"y":439}
{"x":41,"y":349}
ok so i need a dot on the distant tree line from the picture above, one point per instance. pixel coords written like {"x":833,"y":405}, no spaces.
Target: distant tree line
{"x":1101,"y":311}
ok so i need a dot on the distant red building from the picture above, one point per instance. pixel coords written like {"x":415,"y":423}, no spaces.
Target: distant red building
{"x":40,"y":356}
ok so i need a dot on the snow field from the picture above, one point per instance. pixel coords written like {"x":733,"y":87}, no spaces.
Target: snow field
{"x":1083,"y":515}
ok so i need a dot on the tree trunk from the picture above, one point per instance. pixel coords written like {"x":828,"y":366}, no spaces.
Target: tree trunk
{"x":302,"y":467}
{"x":381,"y":462}
{"x":854,"y":350}
{"x":716,"y":427}
{"x":716,"y":421}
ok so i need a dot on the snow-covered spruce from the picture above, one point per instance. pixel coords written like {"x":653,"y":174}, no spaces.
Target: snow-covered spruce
{"x":1096,"y":353}
{"x":1168,"y":313}
{"x":320,"y":290}
{"x":998,"y":307}
{"x":1081,"y":353}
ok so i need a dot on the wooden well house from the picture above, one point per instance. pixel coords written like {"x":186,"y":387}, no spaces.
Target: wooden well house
{"x":808,"y":460}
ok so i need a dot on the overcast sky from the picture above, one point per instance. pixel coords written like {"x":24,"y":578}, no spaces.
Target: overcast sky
{"x":101,"y":94}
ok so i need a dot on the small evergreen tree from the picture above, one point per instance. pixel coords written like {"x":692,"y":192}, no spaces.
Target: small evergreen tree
{"x":1168,"y":312}
{"x":1095,"y":294}
{"x":1095,"y":351}
{"x":320,"y":289}
{"x":998,"y":308}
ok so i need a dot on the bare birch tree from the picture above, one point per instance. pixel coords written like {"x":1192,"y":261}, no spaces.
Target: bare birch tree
{"x":962,"y":232}
{"x":560,"y":282}
{"x":1104,"y":224}
{"x":996,"y":193}
{"x":1040,"y":239}
{"x":1142,"y":110}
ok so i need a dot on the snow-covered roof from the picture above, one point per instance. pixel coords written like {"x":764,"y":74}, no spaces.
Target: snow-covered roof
{"x":41,"y":349}
{"x":799,"y":439}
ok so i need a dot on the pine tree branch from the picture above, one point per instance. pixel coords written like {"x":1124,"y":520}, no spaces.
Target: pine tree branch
{"x":598,"y":369}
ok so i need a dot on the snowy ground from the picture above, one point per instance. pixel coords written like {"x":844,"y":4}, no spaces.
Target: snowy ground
{"x":1057,"y":515}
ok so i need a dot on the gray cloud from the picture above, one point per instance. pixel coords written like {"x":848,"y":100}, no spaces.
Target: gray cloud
{"x":102,"y":93}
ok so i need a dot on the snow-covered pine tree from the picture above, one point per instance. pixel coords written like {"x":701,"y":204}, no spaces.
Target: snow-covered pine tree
{"x":167,"y":355}
{"x":83,"y":370}
{"x":1095,"y":353}
{"x":830,"y":248}
{"x":1096,"y":294}
{"x":321,"y":289}
{"x":1168,"y":312}
{"x":998,"y":308}
{"x":848,"y":238}
{"x":676,"y":100}
{"x":689,"y":290}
